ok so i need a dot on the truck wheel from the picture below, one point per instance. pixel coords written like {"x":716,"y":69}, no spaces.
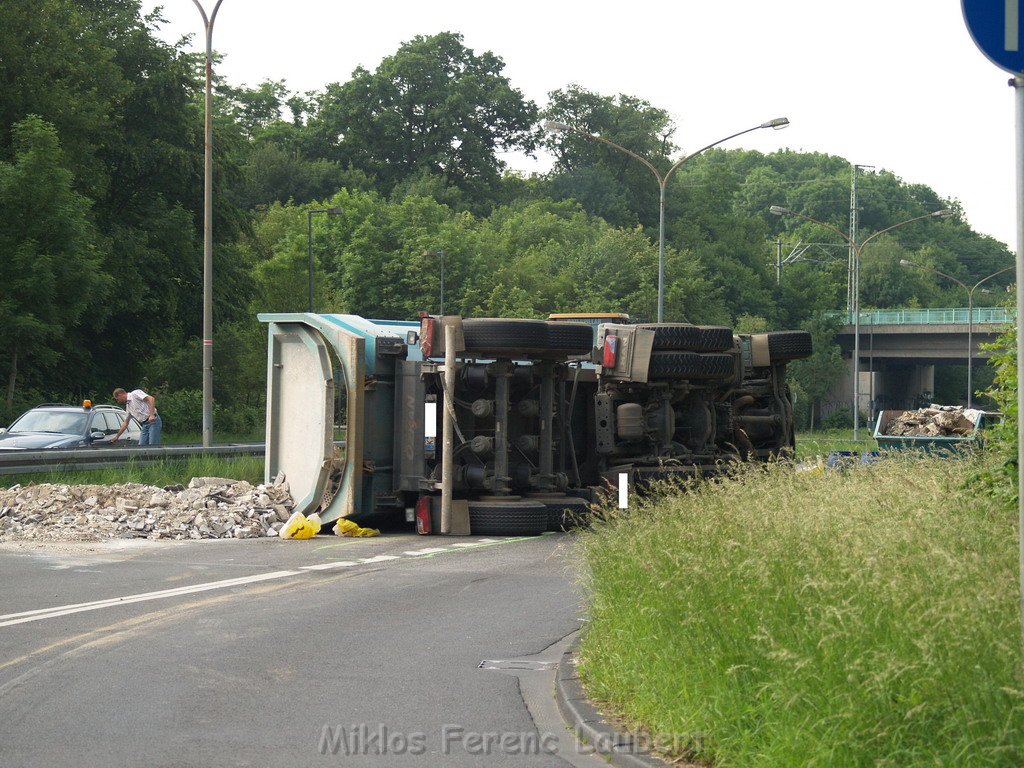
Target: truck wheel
{"x":507,"y":518}
{"x":691,"y":365}
{"x":788,"y":345}
{"x":570,"y":338}
{"x":502,"y":337}
{"x":691,"y":338}
{"x":564,"y":512}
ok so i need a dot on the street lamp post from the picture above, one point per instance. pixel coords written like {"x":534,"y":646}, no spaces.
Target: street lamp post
{"x":208,"y":231}
{"x":555,"y":127}
{"x":970,"y":315}
{"x":858,"y":248}
{"x":440,"y":254}
{"x":309,"y":242}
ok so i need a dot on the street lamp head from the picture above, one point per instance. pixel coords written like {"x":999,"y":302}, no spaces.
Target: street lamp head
{"x":778,"y":123}
{"x":945,"y":213}
{"x":905,"y":263}
{"x":552,"y":126}
{"x":335,"y":211}
{"x":778,"y":210}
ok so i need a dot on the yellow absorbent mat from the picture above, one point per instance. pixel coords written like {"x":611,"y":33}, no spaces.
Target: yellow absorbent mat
{"x":345,"y":527}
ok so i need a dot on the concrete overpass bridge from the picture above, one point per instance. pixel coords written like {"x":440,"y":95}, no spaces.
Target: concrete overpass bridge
{"x":900,"y":348}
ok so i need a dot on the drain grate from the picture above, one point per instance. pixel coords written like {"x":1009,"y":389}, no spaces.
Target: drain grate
{"x":523,"y":664}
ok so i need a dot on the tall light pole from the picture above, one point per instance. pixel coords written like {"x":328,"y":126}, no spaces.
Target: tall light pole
{"x":554,"y":127}
{"x":208,"y":231}
{"x":858,"y":248}
{"x":440,"y":254}
{"x":309,"y":242}
{"x":970,"y":315}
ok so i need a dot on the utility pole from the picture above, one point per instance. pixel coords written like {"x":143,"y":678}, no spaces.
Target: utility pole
{"x":853,"y":298}
{"x":851,"y":265}
{"x":778,"y":261}
{"x":208,"y":229}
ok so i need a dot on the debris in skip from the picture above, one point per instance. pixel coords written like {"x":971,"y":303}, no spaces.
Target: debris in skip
{"x":934,"y":421}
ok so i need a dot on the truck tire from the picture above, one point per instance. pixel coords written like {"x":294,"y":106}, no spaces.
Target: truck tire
{"x":691,"y":365}
{"x":502,"y":337}
{"x":690,"y":338}
{"x":564,"y":512}
{"x":788,"y":345}
{"x":570,"y":338}
{"x":507,"y":518}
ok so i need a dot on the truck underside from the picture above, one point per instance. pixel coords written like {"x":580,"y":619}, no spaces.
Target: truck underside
{"x":516,"y":424}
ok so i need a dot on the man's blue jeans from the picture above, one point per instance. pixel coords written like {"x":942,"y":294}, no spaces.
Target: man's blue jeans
{"x":151,"y":431}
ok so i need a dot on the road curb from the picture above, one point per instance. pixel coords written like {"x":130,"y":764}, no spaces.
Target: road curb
{"x":620,"y":748}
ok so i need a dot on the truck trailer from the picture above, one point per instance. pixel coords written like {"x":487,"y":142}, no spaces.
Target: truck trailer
{"x":504,"y":426}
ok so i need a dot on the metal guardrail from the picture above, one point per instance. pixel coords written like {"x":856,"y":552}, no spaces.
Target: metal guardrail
{"x":943,"y":316}
{"x":14,"y":462}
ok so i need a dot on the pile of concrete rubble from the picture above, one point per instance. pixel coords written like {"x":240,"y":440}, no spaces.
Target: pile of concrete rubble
{"x":210,"y":508}
{"x":934,"y":421}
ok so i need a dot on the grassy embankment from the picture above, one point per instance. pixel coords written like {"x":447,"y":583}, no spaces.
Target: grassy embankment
{"x":862,"y":618}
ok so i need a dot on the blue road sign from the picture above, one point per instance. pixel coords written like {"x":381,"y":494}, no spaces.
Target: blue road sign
{"x":995,"y":27}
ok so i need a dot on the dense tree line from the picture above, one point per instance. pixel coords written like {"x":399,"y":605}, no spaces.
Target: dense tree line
{"x":101,"y":210}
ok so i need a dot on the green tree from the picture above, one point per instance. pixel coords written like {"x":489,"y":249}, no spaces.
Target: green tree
{"x":435,"y":105}
{"x":607,"y":182}
{"x":50,"y":271}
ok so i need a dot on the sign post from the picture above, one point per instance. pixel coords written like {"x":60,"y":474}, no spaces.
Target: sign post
{"x":995,"y":27}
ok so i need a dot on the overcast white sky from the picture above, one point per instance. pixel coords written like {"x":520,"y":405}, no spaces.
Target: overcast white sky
{"x":897,"y":84}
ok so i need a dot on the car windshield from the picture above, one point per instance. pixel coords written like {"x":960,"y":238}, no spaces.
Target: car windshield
{"x":62,"y":422}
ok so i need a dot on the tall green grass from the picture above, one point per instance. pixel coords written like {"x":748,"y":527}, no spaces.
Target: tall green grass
{"x":171,"y":472}
{"x":862,"y":618}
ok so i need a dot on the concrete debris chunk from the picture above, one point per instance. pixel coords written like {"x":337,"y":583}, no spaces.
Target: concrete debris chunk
{"x":209,"y":508}
{"x":934,"y":421}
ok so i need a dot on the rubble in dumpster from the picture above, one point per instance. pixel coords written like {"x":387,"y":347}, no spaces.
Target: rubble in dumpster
{"x":209,"y":508}
{"x":934,"y":421}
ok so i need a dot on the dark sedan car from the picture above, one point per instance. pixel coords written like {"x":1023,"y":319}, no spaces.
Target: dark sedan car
{"x":56,"y":425}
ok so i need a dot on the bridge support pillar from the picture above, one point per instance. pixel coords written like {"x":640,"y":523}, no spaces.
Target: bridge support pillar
{"x":888,"y":386}
{"x":903,"y":386}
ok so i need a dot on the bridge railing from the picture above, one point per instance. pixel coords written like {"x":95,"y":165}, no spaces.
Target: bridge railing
{"x":935,"y":316}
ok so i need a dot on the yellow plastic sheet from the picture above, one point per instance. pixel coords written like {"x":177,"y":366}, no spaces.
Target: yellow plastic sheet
{"x":301,"y":527}
{"x":345,"y":527}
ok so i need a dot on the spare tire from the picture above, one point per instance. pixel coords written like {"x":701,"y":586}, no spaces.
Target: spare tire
{"x":692,"y":338}
{"x":789,"y":345}
{"x":512,"y":517}
{"x":691,"y":365}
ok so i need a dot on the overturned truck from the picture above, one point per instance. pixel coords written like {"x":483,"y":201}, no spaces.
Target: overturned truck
{"x":512,"y":427}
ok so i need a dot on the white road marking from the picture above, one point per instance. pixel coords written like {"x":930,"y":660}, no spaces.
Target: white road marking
{"x":40,"y":614}
{"x":64,"y":610}
{"x":427,"y":551}
{"x":329,"y":566}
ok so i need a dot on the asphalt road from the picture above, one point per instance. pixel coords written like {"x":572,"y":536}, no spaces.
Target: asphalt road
{"x":272,"y":653}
